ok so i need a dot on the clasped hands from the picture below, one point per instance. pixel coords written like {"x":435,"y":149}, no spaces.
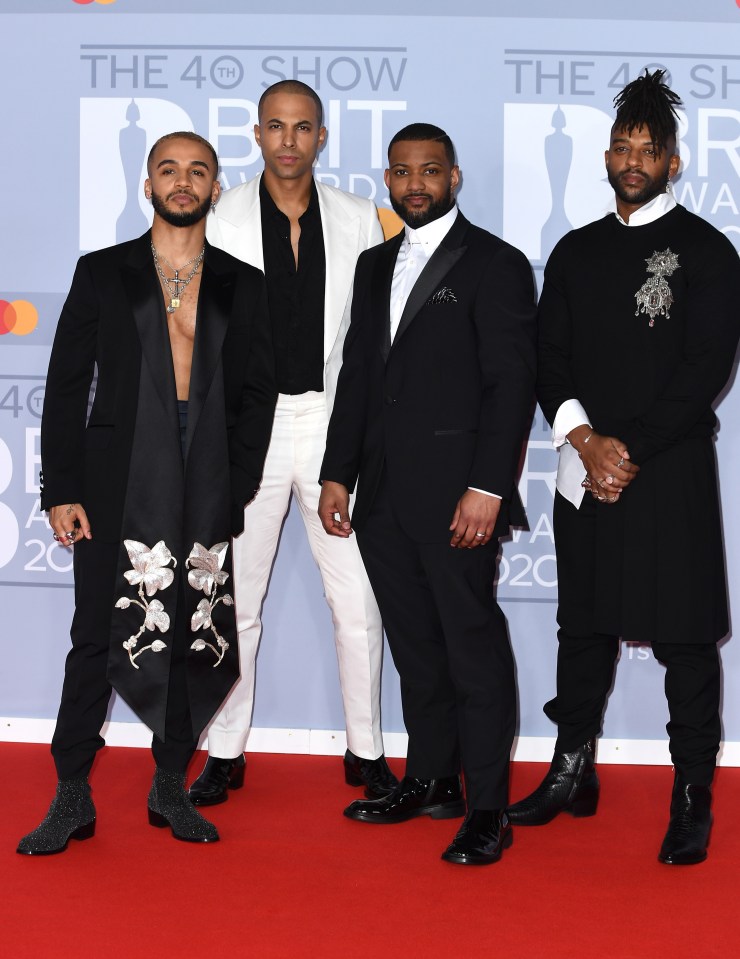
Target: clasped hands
{"x":609,"y":470}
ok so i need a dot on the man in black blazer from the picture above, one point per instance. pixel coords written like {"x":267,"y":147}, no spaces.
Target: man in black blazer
{"x":432,"y":405}
{"x":151,"y":486}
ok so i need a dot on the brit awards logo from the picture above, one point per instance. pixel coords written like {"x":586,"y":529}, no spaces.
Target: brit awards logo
{"x":554,"y":179}
{"x":116,"y":135}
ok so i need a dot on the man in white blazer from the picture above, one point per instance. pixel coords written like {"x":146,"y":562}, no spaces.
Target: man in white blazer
{"x":306,"y":237}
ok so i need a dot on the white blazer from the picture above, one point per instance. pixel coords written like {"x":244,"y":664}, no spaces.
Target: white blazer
{"x":350,"y":225}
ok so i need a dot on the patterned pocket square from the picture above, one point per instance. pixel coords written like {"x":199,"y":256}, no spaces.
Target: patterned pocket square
{"x":443,"y":295}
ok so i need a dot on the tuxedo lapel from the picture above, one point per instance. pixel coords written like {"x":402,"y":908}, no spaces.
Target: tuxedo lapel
{"x":214,"y":307}
{"x":145,"y":297}
{"x":440,"y":263}
{"x":382,"y":289}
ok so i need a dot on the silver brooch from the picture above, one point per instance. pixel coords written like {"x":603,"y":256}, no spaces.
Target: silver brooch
{"x":654,"y":296}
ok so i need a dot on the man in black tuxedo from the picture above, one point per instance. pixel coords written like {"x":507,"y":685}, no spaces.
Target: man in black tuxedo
{"x":151,"y":486}
{"x":432,"y":405}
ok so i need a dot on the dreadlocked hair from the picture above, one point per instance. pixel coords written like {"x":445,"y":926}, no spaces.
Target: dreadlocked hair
{"x":648,"y":102}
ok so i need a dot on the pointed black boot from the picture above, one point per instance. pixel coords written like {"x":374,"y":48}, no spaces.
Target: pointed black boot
{"x":571,"y":785}
{"x":70,"y":816}
{"x":169,"y":805}
{"x":687,"y":838}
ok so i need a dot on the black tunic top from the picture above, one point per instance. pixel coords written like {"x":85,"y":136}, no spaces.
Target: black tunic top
{"x":641,"y":324}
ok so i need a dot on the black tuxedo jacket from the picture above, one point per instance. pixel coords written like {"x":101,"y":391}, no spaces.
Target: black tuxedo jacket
{"x":112,"y":315}
{"x":445,"y":407}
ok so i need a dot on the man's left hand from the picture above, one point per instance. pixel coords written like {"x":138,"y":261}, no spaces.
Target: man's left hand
{"x":474,"y":519}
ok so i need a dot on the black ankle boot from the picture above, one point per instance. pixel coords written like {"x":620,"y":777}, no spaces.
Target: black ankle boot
{"x":169,"y":805}
{"x":70,"y":816}
{"x":687,"y":838}
{"x":571,"y":785}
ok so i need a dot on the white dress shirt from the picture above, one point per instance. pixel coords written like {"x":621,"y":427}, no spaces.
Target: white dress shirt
{"x":417,"y":247}
{"x":571,"y":413}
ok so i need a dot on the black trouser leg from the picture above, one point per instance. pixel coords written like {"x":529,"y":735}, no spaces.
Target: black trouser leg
{"x":175,"y":752}
{"x":86,"y":690}
{"x":692,"y":688}
{"x":449,"y":643}
{"x":584,"y":677}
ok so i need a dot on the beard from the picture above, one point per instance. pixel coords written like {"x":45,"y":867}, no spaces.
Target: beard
{"x":180,"y":217}
{"x":650,"y":188}
{"x":434,"y":211}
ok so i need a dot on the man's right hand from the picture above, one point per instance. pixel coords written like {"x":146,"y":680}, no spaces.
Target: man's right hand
{"x":605,"y":459}
{"x":334,"y":509}
{"x":68,"y":522}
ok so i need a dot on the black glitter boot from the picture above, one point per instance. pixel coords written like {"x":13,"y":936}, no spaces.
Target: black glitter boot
{"x":70,"y":816}
{"x":169,"y":805}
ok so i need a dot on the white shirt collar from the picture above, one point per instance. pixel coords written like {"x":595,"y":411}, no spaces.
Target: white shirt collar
{"x":431,"y":235}
{"x":652,"y":210}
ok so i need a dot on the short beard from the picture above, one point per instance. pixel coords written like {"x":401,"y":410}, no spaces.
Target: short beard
{"x":638,"y":196}
{"x":180,"y":217}
{"x":434,"y":211}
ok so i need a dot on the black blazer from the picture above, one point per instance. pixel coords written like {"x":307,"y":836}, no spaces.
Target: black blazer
{"x":446,"y":406}
{"x":114,"y":305}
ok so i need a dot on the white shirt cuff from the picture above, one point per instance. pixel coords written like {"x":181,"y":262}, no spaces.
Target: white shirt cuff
{"x":570,"y":414}
{"x":571,"y":474}
{"x":485,"y":492}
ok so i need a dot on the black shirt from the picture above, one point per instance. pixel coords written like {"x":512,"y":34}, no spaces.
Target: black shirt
{"x":295,"y":296}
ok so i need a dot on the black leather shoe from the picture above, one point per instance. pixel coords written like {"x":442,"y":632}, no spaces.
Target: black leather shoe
{"x":218,"y":776}
{"x":481,"y":839}
{"x":686,"y":841}
{"x":438,"y":798}
{"x":571,"y":785}
{"x":373,"y":774}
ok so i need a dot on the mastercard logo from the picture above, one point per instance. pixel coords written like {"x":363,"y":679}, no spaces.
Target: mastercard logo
{"x":19,"y":317}
{"x":103,"y":3}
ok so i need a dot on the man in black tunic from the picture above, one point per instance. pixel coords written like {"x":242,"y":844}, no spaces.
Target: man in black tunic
{"x":639,"y":325}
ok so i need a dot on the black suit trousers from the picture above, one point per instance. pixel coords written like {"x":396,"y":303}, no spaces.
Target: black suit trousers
{"x":86,"y":691}
{"x":450,"y":645}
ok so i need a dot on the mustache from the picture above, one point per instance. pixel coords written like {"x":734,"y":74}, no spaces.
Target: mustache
{"x":182,"y":193}
{"x":626,"y":173}
{"x":417,"y":196}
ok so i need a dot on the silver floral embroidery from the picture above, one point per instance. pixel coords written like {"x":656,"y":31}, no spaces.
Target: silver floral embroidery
{"x":654,"y":296}
{"x":151,"y":572}
{"x":206,"y":574}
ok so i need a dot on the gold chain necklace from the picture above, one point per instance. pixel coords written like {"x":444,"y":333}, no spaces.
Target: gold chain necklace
{"x":178,"y":283}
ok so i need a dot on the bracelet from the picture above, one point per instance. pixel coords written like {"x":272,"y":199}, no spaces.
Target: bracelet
{"x":586,"y":441}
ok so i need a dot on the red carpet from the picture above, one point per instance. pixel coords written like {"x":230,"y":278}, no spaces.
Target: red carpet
{"x":293,"y":878}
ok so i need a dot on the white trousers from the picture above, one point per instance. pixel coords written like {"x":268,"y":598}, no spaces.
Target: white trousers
{"x":292,"y":465}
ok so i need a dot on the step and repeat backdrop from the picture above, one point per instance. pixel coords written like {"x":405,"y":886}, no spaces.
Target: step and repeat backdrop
{"x":88,"y":85}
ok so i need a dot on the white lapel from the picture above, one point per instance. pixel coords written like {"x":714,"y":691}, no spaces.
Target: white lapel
{"x":236,"y":223}
{"x":342,"y":247}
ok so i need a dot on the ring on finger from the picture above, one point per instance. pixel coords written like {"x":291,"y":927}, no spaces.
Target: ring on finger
{"x":620,"y":464}
{"x":480,"y":535}
{"x":56,"y":537}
